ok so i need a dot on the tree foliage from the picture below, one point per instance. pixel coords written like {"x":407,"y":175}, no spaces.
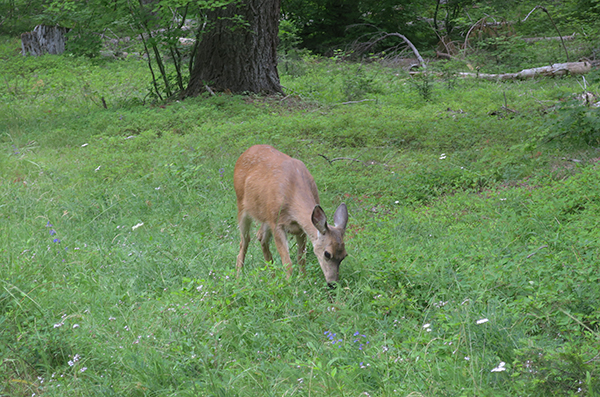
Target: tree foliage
{"x":322,"y":26}
{"x":327,"y":24}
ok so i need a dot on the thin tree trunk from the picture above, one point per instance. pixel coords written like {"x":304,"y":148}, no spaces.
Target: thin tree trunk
{"x":239,"y":56}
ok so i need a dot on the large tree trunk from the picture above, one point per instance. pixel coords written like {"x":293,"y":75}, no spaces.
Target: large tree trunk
{"x":239,"y":57}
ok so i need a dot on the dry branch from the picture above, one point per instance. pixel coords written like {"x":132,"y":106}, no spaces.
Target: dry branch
{"x":555,"y":27}
{"x":377,"y":37}
{"x":558,"y":69}
{"x":534,"y":39}
{"x":341,"y":158}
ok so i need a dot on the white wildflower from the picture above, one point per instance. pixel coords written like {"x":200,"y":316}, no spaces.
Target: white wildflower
{"x":500,"y":367}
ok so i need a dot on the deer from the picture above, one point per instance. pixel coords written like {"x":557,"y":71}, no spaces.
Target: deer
{"x":279,"y":192}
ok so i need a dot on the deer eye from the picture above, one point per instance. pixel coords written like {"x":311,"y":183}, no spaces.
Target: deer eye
{"x":327,"y":255}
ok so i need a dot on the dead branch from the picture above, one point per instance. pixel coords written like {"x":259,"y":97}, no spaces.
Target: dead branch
{"x":557,"y":69}
{"x":351,"y":102}
{"x":555,"y":27}
{"x":209,"y":90}
{"x":341,"y":158}
{"x":536,"y":251}
{"x":379,"y":36}
{"x":534,"y":39}
{"x":411,"y":45}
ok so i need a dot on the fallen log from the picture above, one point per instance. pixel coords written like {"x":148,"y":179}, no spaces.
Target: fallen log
{"x":558,"y":69}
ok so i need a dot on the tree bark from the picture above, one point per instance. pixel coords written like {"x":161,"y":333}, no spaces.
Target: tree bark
{"x":239,"y":57}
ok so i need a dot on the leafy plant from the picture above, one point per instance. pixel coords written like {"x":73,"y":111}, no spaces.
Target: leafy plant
{"x":574,"y":121}
{"x":356,"y":84}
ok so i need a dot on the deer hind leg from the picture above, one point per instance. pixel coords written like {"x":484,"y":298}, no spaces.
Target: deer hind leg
{"x":264,"y":236}
{"x":244,"y":223}
{"x":301,"y":243}
{"x":282,"y":247}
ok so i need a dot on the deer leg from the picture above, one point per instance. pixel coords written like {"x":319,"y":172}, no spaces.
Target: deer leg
{"x":301,"y":243}
{"x":244,"y":223}
{"x":264,"y":236}
{"x":282,"y":247}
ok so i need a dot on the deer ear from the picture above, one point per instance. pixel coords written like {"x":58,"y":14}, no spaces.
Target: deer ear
{"x":340,"y":218}
{"x":319,"y":219}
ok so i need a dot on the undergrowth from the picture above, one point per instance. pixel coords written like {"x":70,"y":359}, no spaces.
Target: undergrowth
{"x":472,"y":238}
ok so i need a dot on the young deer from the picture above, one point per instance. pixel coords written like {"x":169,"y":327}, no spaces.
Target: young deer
{"x":278,"y":191}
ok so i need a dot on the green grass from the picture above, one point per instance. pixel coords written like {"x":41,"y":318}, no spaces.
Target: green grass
{"x":458,"y":213}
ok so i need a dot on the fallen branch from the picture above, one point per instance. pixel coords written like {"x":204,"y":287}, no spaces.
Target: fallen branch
{"x":341,"y":158}
{"x":534,"y":39}
{"x":558,"y":69}
{"x":351,"y":102}
{"x":555,"y":27}
{"x":378,"y":36}
{"x":536,"y":251}
{"x":209,"y":90}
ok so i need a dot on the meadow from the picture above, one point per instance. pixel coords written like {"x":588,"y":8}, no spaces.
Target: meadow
{"x":473,"y":235}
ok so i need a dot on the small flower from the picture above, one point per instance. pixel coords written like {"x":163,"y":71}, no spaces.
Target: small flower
{"x":75,"y":325}
{"x":97,"y":169}
{"x":467,"y":358}
{"x":52,"y":232}
{"x":482,"y":321}
{"x":500,"y":367}
{"x":138,"y":225}
{"x":84,"y":145}
{"x":56,"y":240}
{"x":426,"y":325}
{"x":221,"y":172}
{"x":83,"y":369}
{"x":442,"y":156}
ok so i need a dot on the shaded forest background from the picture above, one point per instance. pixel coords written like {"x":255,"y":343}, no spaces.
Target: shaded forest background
{"x":165,"y":30}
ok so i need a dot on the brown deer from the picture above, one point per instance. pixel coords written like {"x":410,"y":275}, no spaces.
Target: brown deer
{"x":279,"y":192}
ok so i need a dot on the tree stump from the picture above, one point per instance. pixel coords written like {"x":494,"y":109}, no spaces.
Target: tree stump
{"x":44,"y":39}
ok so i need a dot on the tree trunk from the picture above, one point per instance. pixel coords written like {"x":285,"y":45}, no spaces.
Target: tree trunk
{"x":236,"y":56}
{"x":44,"y":39}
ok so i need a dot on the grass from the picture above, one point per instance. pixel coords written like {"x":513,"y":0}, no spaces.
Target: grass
{"x":118,"y":238}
